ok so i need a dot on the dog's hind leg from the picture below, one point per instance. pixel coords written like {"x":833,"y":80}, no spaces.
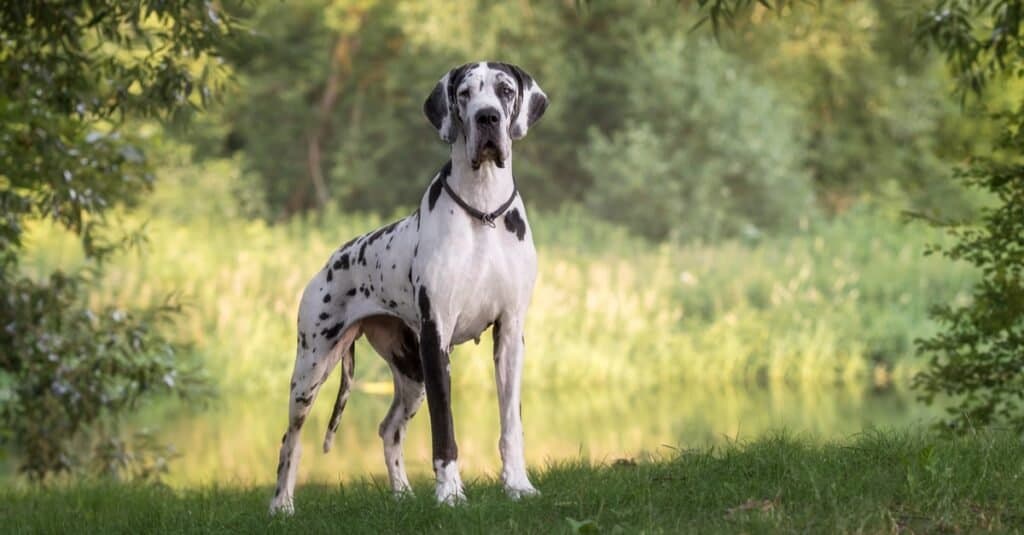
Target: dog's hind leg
{"x":313,"y":364}
{"x":399,"y":346}
{"x":409,"y":394}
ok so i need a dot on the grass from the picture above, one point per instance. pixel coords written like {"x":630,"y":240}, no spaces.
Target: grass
{"x":875,"y":482}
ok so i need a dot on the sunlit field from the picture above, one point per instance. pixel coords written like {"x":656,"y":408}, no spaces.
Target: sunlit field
{"x":631,"y":348}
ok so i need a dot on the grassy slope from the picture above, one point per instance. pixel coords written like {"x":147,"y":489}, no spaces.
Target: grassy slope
{"x":875,"y":482}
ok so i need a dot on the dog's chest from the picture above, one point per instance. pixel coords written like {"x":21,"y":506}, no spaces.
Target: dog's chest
{"x":477,"y":272}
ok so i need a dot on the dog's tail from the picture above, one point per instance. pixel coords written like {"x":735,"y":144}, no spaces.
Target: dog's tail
{"x":348,"y":365}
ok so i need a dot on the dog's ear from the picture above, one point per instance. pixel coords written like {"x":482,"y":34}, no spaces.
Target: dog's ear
{"x":530,"y":106}
{"x":440,"y":106}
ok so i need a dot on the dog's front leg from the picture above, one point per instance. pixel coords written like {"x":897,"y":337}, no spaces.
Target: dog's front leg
{"x":509,"y":350}
{"x":437,"y":379}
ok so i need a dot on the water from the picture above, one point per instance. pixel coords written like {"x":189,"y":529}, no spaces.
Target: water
{"x":235,"y":440}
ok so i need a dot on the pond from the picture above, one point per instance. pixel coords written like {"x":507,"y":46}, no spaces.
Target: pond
{"x":235,"y":440}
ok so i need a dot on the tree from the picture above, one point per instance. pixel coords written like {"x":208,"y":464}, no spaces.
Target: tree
{"x":977,"y":357}
{"x":73,"y":74}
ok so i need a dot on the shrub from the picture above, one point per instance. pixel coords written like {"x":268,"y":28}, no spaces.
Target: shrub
{"x":724,"y":162}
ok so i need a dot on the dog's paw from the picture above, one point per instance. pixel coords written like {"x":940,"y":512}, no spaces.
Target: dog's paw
{"x":521,"y":491}
{"x":282,"y":505}
{"x":450,"y":496}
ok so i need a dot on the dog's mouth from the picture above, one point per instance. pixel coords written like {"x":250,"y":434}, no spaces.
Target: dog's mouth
{"x":488,"y":150}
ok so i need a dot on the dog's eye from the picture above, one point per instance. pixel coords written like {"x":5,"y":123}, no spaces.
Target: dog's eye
{"x":464,"y":93}
{"x":507,"y":92}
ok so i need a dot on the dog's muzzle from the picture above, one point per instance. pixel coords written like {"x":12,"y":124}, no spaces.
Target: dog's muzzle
{"x":488,"y":138}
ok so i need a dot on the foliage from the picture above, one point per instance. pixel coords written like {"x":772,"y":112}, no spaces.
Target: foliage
{"x":875,"y":482}
{"x":725,"y":161}
{"x":978,"y":357}
{"x":72,"y":74}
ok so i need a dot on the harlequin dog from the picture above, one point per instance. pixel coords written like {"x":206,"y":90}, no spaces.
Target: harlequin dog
{"x":460,"y":263}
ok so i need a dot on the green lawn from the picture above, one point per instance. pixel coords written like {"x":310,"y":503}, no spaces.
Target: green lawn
{"x":875,"y":482}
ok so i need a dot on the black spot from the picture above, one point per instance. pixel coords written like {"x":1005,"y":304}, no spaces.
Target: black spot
{"x":393,"y":266}
{"x":347,"y":244}
{"x":293,"y":385}
{"x":280,"y":466}
{"x":305,"y":400}
{"x":436,"y":188}
{"x":332,"y":332}
{"x":515,"y":224}
{"x":496,"y":336}
{"x":327,"y":298}
{"x":397,"y":437}
{"x":424,"y":303}
{"x":324,"y":315}
{"x":362,"y":254}
{"x":298,"y":421}
{"x":302,"y":340}
{"x":351,"y":292}
{"x":392,"y":304}
{"x":366,"y":292}
{"x":410,"y":275}
{"x":341,"y":262}
{"x":407,"y":359}
{"x":277,"y":492}
{"x":416,"y":249}
{"x":330,"y":275}
{"x":434,"y":194}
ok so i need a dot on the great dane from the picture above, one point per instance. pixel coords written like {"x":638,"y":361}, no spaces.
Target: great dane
{"x":462,"y":262}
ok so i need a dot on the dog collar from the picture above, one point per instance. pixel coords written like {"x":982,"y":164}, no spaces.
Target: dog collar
{"x":486,"y":217}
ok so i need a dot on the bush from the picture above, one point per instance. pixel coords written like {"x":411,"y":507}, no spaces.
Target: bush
{"x":724,"y":162}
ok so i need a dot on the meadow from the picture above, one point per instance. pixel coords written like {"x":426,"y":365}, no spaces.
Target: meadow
{"x":876,"y":482}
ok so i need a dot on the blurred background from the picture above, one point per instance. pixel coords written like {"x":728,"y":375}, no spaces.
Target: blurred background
{"x":722,"y":232}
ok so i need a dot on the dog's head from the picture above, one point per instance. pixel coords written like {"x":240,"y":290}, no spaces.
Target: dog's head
{"x":488,"y":105}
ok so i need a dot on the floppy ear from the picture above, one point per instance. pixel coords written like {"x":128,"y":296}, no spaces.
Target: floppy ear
{"x":530,"y":105}
{"x":440,"y":106}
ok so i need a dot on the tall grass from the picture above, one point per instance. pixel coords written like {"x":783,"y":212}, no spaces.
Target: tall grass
{"x":841,"y":301}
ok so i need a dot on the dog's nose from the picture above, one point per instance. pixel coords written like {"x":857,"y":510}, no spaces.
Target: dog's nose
{"x":488,"y":117}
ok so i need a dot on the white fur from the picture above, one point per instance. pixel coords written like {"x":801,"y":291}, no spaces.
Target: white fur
{"x":475,"y":273}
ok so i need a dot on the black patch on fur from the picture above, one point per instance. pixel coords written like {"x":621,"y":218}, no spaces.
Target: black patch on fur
{"x":496,"y":336}
{"x":514,"y":223}
{"x":416,"y":249}
{"x":298,"y":421}
{"x":407,"y":359}
{"x":392,"y":304}
{"x":362,"y":254}
{"x":366,"y":292}
{"x":305,"y":400}
{"x":302,"y":340}
{"x":330,"y":275}
{"x":351,"y":292}
{"x":324,"y":315}
{"x":410,"y":275}
{"x":293,"y":385}
{"x":396,"y":438}
{"x":327,"y":298}
{"x":436,"y":188}
{"x":434,"y":360}
{"x":434,"y":194}
{"x":332,"y":332}
{"x":341,"y":262}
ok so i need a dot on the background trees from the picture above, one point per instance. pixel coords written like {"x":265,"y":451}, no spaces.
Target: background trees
{"x":74,"y":75}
